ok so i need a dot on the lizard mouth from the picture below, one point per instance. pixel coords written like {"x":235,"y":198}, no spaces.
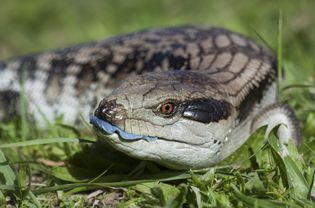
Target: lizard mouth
{"x":107,"y":128}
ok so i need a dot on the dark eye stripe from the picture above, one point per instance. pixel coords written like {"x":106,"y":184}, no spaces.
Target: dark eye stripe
{"x":206,"y":110}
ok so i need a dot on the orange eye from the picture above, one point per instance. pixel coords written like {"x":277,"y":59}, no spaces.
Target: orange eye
{"x":167,"y":108}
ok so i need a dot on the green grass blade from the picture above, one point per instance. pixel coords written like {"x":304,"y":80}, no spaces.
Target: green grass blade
{"x":259,"y":203}
{"x":312,"y":188}
{"x":34,"y":199}
{"x":7,"y":187}
{"x":279,"y":48}
{"x":2,"y":198}
{"x":260,"y":37}
{"x":292,"y":173}
{"x":302,"y":86}
{"x":38,"y":142}
{"x":197,"y":194}
{"x":8,"y":176}
{"x":24,"y":130}
{"x":152,"y":178}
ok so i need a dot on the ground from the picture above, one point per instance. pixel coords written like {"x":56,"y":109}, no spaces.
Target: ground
{"x":67,"y":172}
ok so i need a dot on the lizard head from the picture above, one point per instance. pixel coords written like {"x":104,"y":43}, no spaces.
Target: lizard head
{"x":176,"y":118}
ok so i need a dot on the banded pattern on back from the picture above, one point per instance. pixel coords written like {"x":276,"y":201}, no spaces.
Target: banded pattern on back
{"x":196,"y":92}
{"x":73,"y":80}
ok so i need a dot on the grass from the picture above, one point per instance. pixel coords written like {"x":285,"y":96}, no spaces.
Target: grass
{"x":68,"y":167}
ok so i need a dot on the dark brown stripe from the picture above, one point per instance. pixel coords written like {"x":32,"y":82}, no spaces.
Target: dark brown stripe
{"x":206,"y":110}
{"x":255,"y":96}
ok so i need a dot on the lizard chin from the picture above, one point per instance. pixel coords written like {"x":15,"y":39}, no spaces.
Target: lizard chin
{"x":169,"y":153}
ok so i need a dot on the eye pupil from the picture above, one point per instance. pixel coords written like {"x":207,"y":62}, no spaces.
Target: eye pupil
{"x":167,"y":108}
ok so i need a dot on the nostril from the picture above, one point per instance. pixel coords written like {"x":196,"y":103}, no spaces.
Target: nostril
{"x":110,"y":111}
{"x":97,"y":112}
{"x":105,"y":110}
{"x":100,"y":110}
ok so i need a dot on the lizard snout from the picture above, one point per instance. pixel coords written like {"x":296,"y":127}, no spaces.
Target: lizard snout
{"x":110,"y":111}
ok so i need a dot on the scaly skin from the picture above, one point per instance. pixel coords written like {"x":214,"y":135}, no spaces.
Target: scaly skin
{"x":225,"y":70}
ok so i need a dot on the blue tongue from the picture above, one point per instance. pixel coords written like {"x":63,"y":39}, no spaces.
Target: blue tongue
{"x":110,"y":129}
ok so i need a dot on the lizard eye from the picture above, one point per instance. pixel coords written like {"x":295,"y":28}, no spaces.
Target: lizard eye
{"x":167,"y":108}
